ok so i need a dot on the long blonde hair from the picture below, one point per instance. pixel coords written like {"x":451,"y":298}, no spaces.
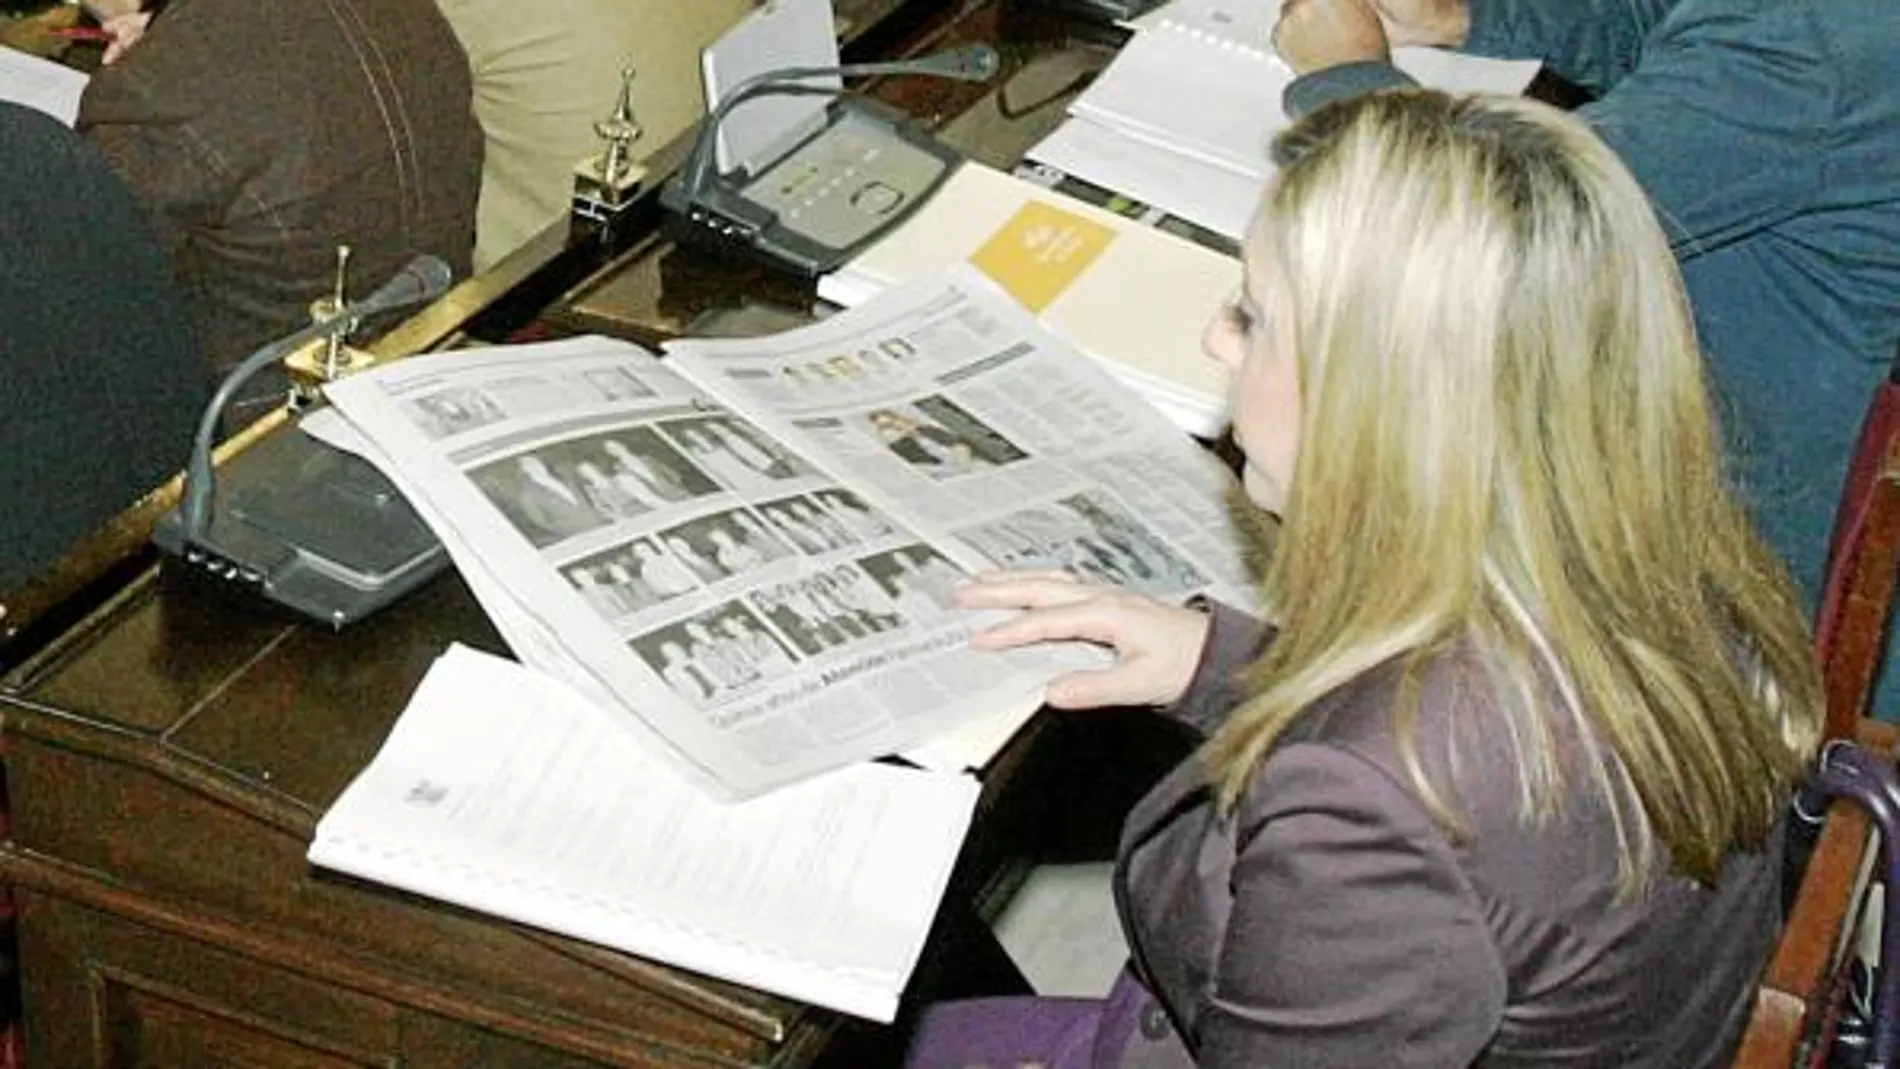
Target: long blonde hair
{"x":1507,"y":442}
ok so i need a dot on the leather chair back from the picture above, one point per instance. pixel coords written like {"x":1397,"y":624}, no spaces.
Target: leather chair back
{"x":101,"y":377}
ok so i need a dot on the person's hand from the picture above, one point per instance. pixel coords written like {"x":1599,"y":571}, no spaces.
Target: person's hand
{"x":1156,"y":646}
{"x":1443,"y":23}
{"x":1316,"y":34}
{"x":126,"y":31}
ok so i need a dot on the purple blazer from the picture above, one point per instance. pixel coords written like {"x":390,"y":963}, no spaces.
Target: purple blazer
{"x":1329,"y":921}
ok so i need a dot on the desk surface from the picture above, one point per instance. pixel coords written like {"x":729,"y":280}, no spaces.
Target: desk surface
{"x":168,"y":761}
{"x":169,"y":755}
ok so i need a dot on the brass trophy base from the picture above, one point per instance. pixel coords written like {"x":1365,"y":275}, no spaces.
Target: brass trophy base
{"x":602,"y":201}
{"x":313,"y":367}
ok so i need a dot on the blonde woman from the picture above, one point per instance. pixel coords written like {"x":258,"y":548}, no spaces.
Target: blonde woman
{"x":1502,"y":783}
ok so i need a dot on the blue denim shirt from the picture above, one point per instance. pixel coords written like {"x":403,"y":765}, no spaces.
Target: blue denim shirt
{"x":1767,"y":133}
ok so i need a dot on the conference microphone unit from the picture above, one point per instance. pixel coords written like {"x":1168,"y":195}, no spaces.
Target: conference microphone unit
{"x":816,"y":204}
{"x":292,"y":520}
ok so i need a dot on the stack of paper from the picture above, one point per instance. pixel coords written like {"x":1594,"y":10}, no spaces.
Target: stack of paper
{"x":1133,"y":297}
{"x":503,"y":791}
{"x":1184,"y":118}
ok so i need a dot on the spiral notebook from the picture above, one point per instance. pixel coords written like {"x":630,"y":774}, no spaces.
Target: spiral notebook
{"x":503,"y":791}
{"x":1200,"y":79}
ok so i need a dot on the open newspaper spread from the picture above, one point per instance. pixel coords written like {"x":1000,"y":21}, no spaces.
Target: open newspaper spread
{"x":761,"y":597}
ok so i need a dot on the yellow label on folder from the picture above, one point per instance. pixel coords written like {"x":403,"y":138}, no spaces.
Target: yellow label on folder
{"x":1040,"y":251}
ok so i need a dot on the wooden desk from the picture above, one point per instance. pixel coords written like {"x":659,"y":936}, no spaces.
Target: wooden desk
{"x":169,"y":755}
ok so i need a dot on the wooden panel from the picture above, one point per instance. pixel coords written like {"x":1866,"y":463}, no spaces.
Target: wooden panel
{"x":83,"y":1012}
{"x":150,"y":1025}
{"x":106,"y":990}
{"x":261,"y":899}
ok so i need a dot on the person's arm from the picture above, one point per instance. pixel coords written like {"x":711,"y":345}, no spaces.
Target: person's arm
{"x":1590,"y":43}
{"x":154,"y":145}
{"x":1234,"y":641}
{"x":1354,"y":937}
{"x":1723,"y":122}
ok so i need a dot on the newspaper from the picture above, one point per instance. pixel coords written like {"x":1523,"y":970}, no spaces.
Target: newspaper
{"x":762,"y":597}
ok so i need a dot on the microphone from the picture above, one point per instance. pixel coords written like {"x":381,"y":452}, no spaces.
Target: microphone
{"x":422,"y":278}
{"x":969,"y":63}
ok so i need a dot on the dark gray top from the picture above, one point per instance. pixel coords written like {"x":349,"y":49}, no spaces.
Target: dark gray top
{"x":1328,"y":921}
{"x":102,"y":380}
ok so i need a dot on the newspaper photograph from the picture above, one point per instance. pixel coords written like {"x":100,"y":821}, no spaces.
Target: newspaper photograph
{"x":948,"y":404}
{"x":734,"y":605}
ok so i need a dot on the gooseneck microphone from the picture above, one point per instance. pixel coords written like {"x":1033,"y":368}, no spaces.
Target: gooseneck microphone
{"x":421,"y":279}
{"x":869,"y":163}
{"x":965,"y":63}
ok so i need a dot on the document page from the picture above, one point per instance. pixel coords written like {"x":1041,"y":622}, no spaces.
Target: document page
{"x":1075,"y":265}
{"x":501,"y":790}
{"x":947,"y":403}
{"x":1215,"y":197}
{"x":730,"y":605}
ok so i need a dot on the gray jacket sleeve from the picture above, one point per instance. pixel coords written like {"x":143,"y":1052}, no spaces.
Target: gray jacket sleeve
{"x":1234,"y":641}
{"x":1722,"y":122}
{"x":1355,"y":938}
{"x":1589,"y":43}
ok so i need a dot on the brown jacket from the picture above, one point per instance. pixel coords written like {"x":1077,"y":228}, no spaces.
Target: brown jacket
{"x":1328,"y":921}
{"x":261,"y":134}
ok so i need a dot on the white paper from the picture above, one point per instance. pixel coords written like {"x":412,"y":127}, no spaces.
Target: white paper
{"x":1456,"y":72}
{"x":974,"y":745}
{"x":780,"y":34}
{"x":1243,"y":22}
{"x":41,"y":84}
{"x":1202,"y":81}
{"x":501,"y":790}
{"x":945,"y":402}
{"x":967,"y":748}
{"x":1213,"y":196}
{"x":1152,"y":344}
{"x":738,"y":610}
{"x":1199,"y":97}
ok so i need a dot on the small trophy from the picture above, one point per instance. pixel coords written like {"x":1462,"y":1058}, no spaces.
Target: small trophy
{"x":604,"y":185}
{"x":327,"y":360}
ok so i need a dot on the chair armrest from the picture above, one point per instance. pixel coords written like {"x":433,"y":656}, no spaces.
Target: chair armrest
{"x":1794,"y":1018}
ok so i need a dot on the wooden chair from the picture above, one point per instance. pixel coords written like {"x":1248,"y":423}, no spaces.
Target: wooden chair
{"x":1797,"y":1007}
{"x":1850,"y":629}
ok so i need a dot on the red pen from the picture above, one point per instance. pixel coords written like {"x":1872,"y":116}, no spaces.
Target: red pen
{"x":85,"y":33}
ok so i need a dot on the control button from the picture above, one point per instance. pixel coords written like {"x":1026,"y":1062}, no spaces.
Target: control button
{"x":876,"y":198}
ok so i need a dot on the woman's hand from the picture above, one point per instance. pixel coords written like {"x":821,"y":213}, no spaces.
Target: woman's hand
{"x":1156,"y":646}
{"x":1316,"y":34}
